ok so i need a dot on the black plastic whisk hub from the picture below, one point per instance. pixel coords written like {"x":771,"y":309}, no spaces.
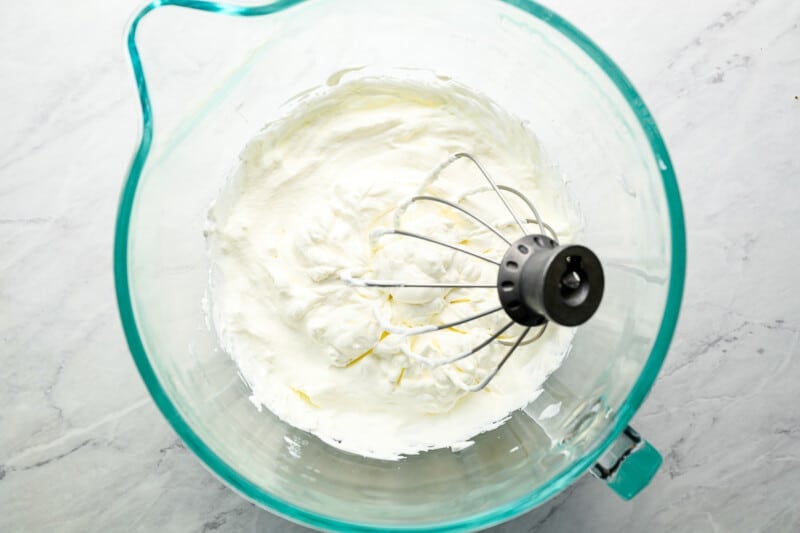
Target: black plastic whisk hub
{"x":540,"y":280}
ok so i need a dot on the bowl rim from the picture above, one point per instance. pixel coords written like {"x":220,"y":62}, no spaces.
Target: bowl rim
{"x":306,"y":517}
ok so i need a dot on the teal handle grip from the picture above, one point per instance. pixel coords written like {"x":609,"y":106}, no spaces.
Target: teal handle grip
{"x":628,"y":465}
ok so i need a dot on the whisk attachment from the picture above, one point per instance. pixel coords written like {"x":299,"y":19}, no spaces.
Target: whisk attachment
{"x":538,"y":279}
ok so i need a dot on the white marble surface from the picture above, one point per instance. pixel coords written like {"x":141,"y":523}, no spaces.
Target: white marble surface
{"x":82,"y":446}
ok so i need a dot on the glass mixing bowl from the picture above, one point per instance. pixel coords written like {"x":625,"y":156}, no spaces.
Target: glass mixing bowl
{"x":210,"y":75}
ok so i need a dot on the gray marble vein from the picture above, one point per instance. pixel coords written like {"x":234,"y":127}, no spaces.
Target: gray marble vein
{"x":82,"y":446}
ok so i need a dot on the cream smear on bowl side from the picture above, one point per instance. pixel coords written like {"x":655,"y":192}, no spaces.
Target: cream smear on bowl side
{"x":299,"y":216}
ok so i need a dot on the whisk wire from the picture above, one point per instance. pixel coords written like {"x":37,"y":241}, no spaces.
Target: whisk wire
{"x":527,"y":201}
{"x":537,"y":218}
{"x":536,"y":337}
{"x":468,"y":319}
{"x":462,"y":210}
{"x":544,"y":226}
{"x":485,"y":381}
{"x":489,"y":179}
{"x":393,"y":284}
{"x":404,"y":233}
{"x":463,"y":355}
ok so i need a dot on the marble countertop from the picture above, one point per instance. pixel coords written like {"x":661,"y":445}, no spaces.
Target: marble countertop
{"x":83,"y":447}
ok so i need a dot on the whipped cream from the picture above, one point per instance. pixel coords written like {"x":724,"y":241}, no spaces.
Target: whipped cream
{"x":302,"y":223}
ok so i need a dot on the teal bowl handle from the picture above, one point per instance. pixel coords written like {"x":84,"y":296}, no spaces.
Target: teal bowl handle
{"x":628,"y":465}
